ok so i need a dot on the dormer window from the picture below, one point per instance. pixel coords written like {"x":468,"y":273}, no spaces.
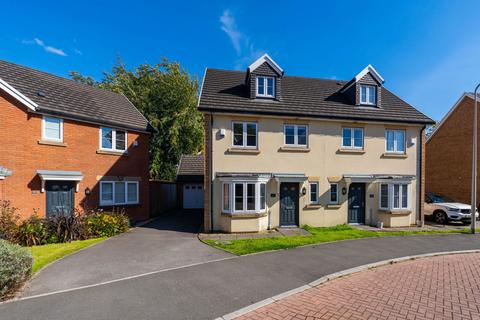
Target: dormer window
{"x":265,"y":87}
{"x":368,"y":94}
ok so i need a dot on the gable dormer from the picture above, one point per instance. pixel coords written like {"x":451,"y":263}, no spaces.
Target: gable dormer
{"x":365,"y":89}
{"x":264,"y":79}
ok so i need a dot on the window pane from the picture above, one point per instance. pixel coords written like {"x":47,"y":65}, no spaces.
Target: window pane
{"x":263,"y":192}
{"x":358,"y":138}
{"x":400,"y":138}
{"x":404,"y":196}
{"x":107,"y":138}
{"x":313,"y":192}
{"x":347,"y":137}
{"x":226,"y":197}
{"x":371,"y":95}
{"x":261,"y":85}
{"x":132,"y":192}
{"x":302,"y":135}
{"x":52,"y":128}
{"x":239,"y":196}
{"x":270,"y":85}
{"x":384,"y":196}
{"x":107,"y":192}
{"x":250,"y":196}
{"x":289,"y":135}
{"x":238,"y":134}
{"x":120,"y":140}
{"x":390,"y":138}
{"x":119,"y":192}
{"x":396,"y":196}
{"x":333,"y":193}
{"x":363,"y":94}
{"x":251,"y":134}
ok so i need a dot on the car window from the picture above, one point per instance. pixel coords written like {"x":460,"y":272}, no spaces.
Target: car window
{"x":435,"y":198}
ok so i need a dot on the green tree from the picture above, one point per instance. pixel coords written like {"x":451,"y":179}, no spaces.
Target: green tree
{"x":167,"y":96}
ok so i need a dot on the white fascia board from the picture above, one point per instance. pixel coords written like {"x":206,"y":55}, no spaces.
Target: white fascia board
{"x":265,"y":58}
{"x":17,"y":95}
{"x":372,"y":71}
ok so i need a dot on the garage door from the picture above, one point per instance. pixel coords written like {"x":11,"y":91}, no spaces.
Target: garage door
{"x":193,"y":196}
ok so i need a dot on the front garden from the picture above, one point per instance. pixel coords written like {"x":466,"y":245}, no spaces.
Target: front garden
{"x":28,"y":245}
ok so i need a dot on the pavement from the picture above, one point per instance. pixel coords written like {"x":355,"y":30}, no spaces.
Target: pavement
{"x":443,"y":287}
{"x":212,"y":289}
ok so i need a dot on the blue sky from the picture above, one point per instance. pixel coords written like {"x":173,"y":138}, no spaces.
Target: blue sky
{"x":427,"y":51}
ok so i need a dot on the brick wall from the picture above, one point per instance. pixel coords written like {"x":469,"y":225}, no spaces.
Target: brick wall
{"x":21,"y":153}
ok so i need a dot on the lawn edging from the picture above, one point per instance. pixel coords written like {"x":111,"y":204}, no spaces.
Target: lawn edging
{"x":333,"y":276}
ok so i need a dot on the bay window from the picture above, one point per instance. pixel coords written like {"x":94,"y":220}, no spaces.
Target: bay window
{"x":394,"y":196}
{"x":334,"y":193}
{"x":246,"y":196}
{"x":314,"y":192}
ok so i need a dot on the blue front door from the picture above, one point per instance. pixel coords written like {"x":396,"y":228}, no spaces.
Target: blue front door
{"x":60,"y":197}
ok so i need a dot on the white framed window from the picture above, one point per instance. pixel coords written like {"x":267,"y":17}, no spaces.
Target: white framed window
{"x":295,"y":135}
{"x":394,"y":196}
{"x":113,"y":139}
{"x":334,"y":193}
{"x":265,"y":87}
{"x":368,"y":94}
{"x":352,"y":138}
{"x":313,"y":192}
{"x":118,"y":193}
{"x":244,"y":196}
{"x":52,"y":129}
{"x":245,"y":134}
{"x":395,"y":141}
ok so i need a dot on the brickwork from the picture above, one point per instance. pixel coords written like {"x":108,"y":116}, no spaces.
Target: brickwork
{"x":21,"y":152}
{"x":446,"y":287}
{"x":207,"y":217}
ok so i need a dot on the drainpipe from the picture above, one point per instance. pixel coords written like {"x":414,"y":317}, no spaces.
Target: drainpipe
{"x":421,"y":197}
{"x":473,"y":209}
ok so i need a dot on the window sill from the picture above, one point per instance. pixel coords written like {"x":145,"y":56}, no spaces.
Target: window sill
{"x":396,"y":211}
{"x":394,"y":155}
{"x":312,"y":206}
{"x":52,"y":143}
{"x":293,"y":149}
{"x":351,"y":151}
{"x":112,"y":153}
{"x":243,"y":150}
{"x":244,"y":214}
{"x":333,"y":206}
{"x":127,"y":205}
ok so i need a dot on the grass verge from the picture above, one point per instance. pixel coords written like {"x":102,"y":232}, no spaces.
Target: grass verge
{"x":43,"y":255}
{"x":318,"y":235}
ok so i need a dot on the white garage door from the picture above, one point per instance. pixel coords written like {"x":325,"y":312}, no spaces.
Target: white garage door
{"x":193,"y":196}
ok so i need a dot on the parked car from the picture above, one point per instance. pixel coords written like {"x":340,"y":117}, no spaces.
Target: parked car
{"x":443,"y":209}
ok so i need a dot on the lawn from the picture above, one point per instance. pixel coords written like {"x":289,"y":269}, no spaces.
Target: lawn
{"x":43,"y":255}
{"x":318,"y":235}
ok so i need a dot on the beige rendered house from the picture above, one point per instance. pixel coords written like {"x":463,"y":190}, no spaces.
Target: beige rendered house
{"x":288,"y":151}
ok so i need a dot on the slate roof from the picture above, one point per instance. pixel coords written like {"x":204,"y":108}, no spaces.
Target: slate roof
{"x":191,"y":165}
{"x":226,"y":91}
{"x":64,"y":97}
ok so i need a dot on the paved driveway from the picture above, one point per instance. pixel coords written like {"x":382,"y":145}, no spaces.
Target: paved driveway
{"x":168,"y":242}
{"x":212,"y":289}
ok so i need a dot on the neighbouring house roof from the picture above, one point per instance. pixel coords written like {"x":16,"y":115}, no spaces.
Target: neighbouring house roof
{"x":4,"y":172}
{"x":226,"y":91}
{"x":191,"y":167}
{"x":45,"y":93}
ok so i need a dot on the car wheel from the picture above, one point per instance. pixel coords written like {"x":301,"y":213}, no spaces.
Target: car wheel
{"x":440,"y":217}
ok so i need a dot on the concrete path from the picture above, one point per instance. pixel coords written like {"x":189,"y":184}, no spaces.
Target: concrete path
{"x":167,"y":242}
{"x":443,"y":287}
{"x":212,"y":289}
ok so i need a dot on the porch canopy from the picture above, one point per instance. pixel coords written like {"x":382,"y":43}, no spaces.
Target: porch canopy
{"x":4,"y":172}
{"x":369,"y":178}
{"x":60,"y":175}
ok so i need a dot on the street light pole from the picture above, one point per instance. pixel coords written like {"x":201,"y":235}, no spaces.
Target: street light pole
{"x":473,"y":210}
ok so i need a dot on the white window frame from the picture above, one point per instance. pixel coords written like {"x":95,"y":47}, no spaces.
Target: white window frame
{"x":391,"y":196}
{"x":395,"y":140}
{"x":265,"y":81}
{"x":330,"y":195}
{"x":315,"y":201}
{"x":114,"y":202}
{"x":295,"y":135}
{"x":114,"y":140}
{"x":44,"y":136}
{"x":244,"y":183}
{"x":352,"y":138}
{"x":367,"y":95}
{"x":244,"y":135}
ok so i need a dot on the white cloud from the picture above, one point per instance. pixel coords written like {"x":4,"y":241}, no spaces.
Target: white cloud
{"x":45,"y":47}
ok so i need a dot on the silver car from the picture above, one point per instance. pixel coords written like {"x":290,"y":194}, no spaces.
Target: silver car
{"x":444,"y":210}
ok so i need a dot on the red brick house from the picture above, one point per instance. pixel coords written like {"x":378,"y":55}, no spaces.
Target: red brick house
{"x":65,"y":145}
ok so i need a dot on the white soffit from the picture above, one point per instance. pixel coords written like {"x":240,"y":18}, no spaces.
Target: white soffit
{"x":370,"y":69}
{"x":265,"y":58}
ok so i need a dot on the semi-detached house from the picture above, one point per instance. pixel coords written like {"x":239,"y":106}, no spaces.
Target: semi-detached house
{"x":65,"y":145}
{"x":287,"y":151}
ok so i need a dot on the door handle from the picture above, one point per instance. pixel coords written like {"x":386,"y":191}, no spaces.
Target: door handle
{"x":356,"y":207}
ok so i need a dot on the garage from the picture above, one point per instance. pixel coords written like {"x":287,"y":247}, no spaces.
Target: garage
{"x":190,"y":182}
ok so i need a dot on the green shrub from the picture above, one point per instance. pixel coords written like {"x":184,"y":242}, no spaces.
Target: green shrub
{"x":33,"y":231}
{"x":9,"y":219}
{"x":15,"y":267}
{"x":106,"y":224}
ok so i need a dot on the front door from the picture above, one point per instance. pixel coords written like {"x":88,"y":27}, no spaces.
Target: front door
{"x":356,"y":203}
{"x":289,"y":195}
{"x":60,"y":197}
